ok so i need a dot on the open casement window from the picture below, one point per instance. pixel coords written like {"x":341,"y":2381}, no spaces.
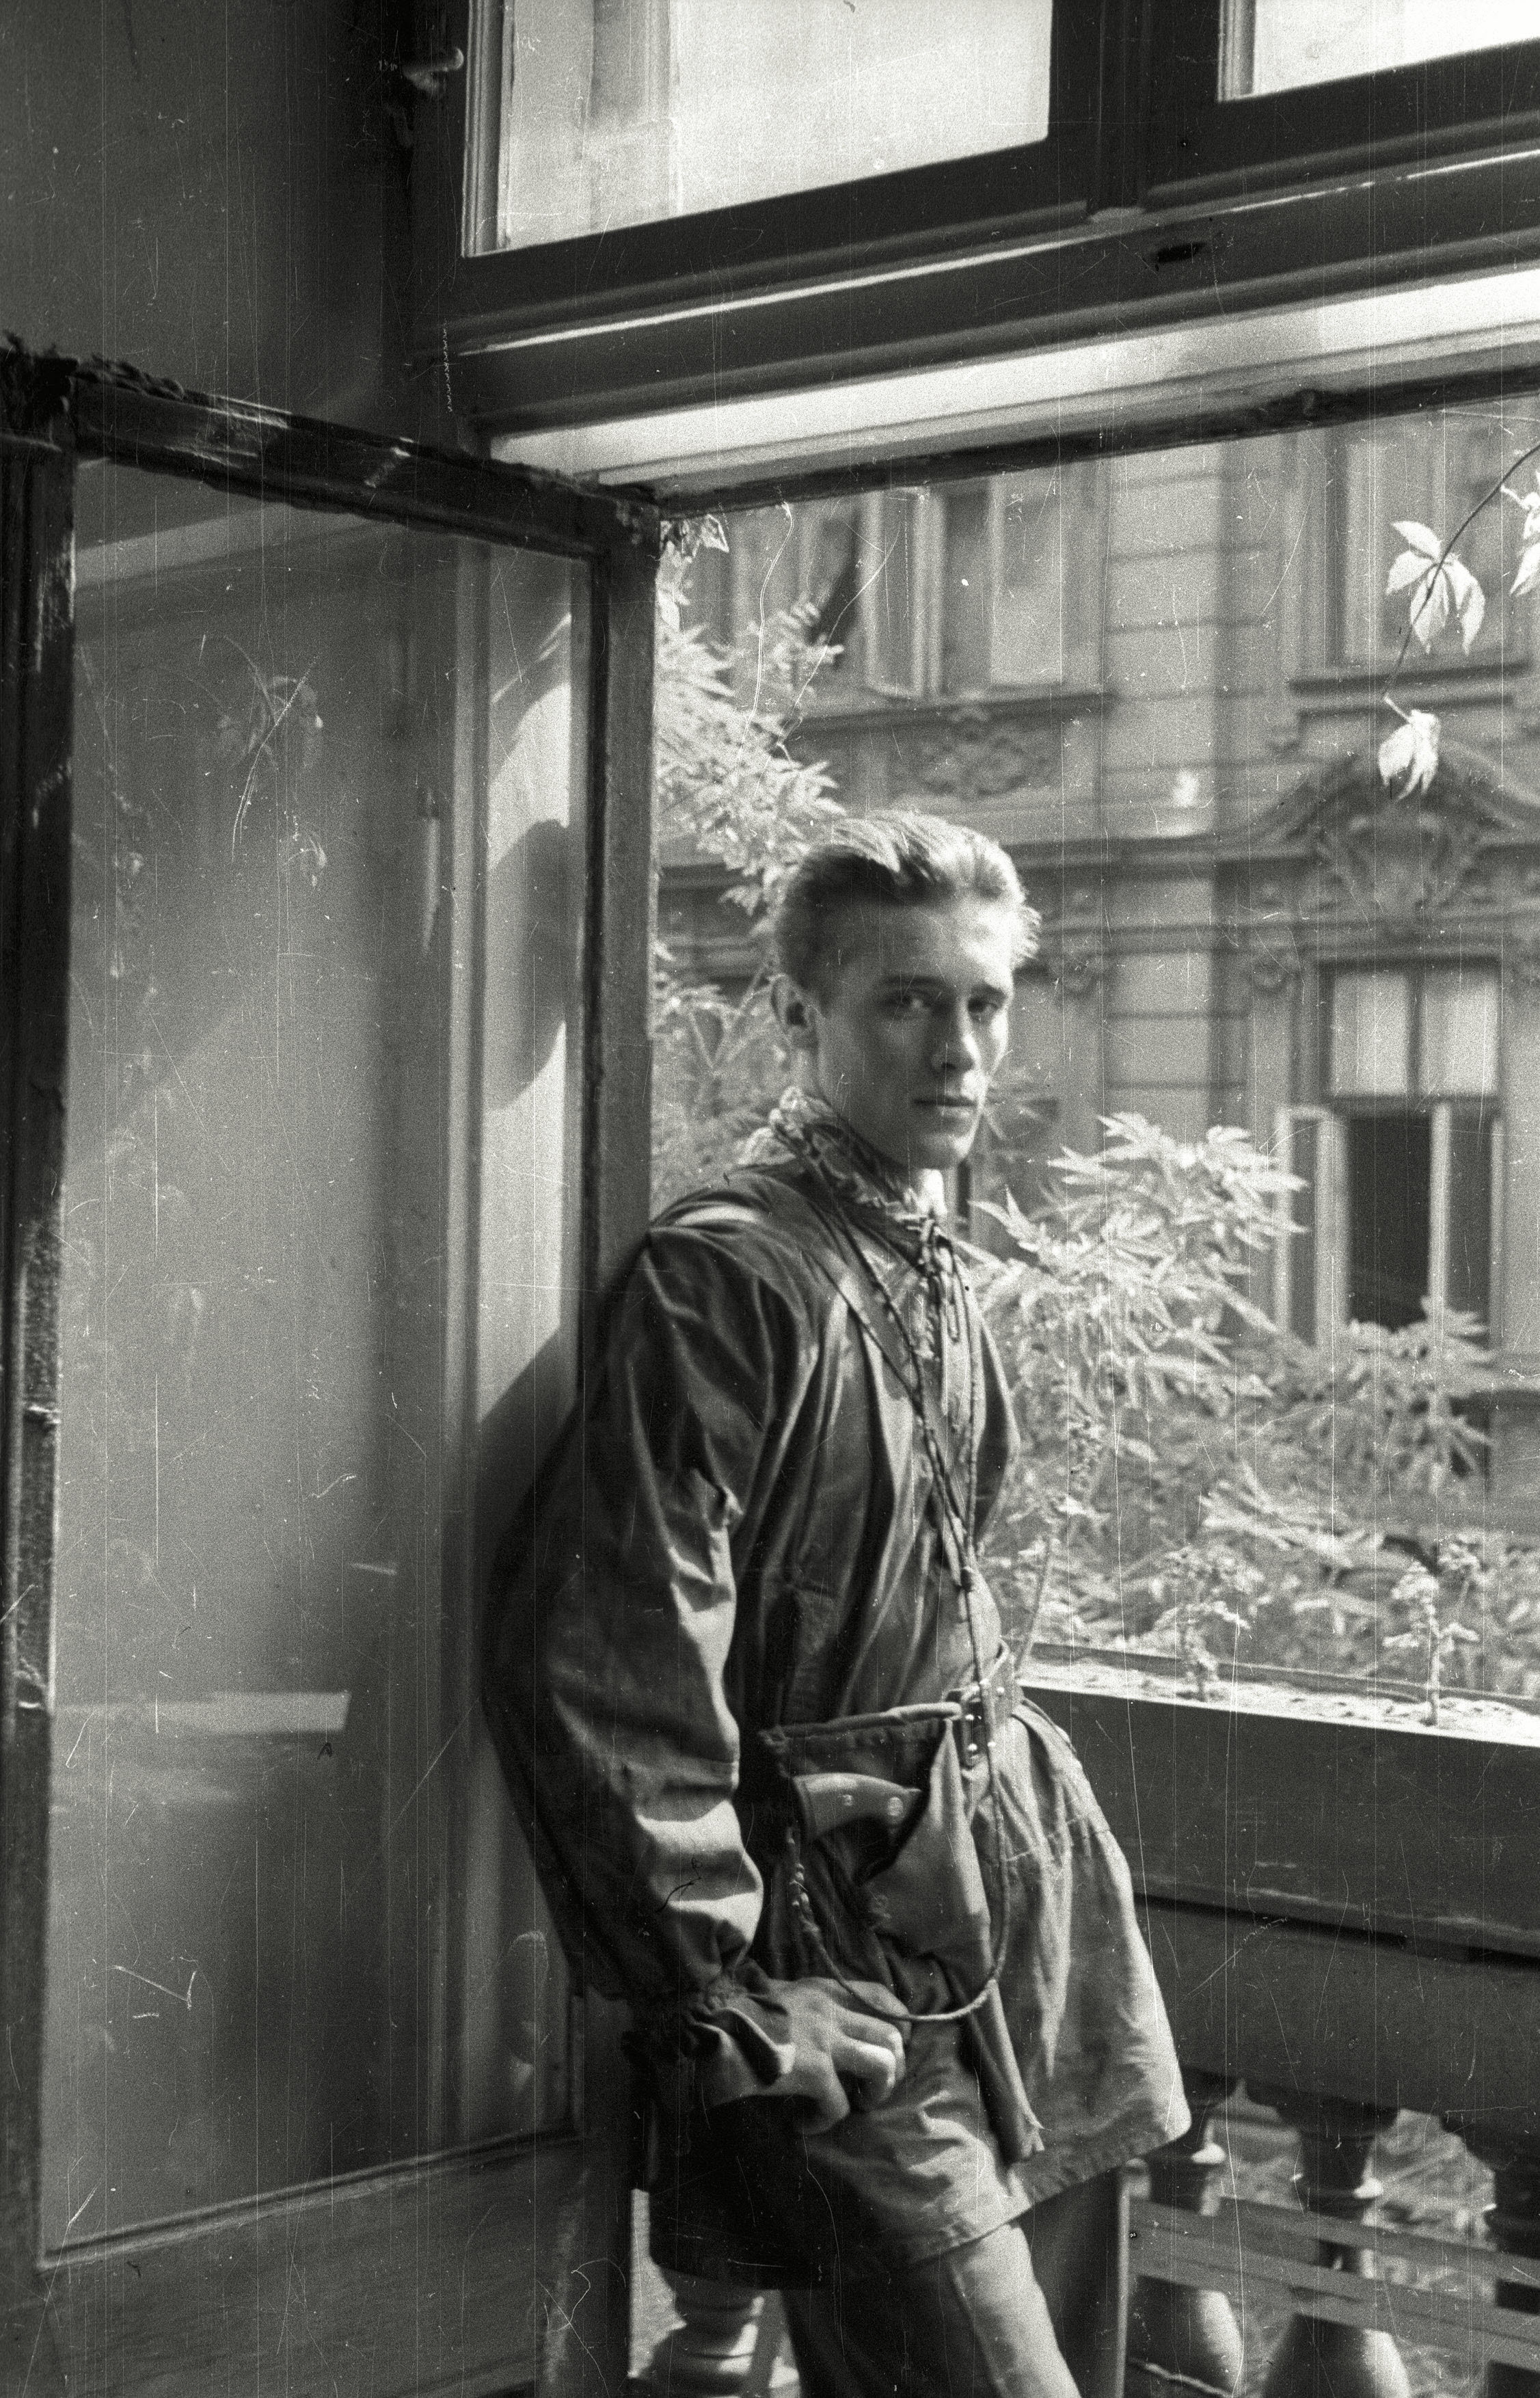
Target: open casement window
{"x":1400,"y":1180}
{"x":324,"y":771}
{"x":1310,"y":1258}
{"x":1351,"y":1253}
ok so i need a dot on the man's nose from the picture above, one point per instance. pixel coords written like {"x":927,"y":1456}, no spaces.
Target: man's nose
{"x":954,"y":1039}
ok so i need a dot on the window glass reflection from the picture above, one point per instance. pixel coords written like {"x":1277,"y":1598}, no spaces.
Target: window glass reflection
{"x":625,"y":111}
{"x":1371,"y":1031}
{"x":293,"y":1933}
{"x":1459,"y":1034}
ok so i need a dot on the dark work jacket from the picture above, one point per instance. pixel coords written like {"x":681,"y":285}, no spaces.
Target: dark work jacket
{"x":737,"y":1534}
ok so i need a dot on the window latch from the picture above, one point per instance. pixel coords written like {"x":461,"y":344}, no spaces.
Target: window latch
{"x":429,"y":77}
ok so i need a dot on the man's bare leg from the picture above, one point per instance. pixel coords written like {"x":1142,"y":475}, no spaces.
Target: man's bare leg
{"x":996,"y":2318}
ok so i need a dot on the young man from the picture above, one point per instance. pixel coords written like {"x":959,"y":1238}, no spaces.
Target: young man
{"x":747,"y":1678}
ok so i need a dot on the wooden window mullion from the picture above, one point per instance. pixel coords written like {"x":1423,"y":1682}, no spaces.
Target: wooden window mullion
{"x":1439,"y":1205}
{"x":36,"y":631}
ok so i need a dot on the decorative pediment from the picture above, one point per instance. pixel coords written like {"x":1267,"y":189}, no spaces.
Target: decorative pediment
{"x":1399,"y":863}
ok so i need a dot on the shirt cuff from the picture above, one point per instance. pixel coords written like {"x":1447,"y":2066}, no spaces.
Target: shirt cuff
{"x":729,"y":2041}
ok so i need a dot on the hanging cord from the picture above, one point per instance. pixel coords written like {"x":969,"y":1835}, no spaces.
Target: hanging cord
{"x":961,"y":1529}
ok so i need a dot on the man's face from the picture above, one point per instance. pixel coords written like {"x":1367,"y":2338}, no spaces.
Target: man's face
{"x":906,"y":1039}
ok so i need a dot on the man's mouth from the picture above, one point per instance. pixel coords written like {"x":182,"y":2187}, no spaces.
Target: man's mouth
{"x":948,"y":1104}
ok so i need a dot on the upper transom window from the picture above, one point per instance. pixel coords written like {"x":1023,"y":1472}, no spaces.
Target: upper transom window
{"x":627,"y":112}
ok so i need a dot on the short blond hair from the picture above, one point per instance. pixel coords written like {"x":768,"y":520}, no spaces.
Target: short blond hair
{"x":903,"y":860}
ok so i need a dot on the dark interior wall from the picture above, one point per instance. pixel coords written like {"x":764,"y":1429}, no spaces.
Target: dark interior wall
{"x":214,"y":190}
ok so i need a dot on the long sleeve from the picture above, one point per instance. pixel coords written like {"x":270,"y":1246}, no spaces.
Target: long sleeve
{"x":610,"y":1622}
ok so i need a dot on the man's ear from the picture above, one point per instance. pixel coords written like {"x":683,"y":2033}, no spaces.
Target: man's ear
{"x":796,"y":1013}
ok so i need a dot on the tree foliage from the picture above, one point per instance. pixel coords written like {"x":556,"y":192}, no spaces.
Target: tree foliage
{"x":728,"y":786}
{"x":1193,"y":1474}
{"x":730,"y":790}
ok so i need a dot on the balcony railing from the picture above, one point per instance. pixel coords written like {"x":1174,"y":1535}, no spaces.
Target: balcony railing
{"x":1344,"y":1919}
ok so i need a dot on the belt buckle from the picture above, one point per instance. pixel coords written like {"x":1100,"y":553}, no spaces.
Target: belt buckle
{"x":972,"y":1724}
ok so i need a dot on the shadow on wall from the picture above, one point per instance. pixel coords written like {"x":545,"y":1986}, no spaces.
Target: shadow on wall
{"x":532,"y":934}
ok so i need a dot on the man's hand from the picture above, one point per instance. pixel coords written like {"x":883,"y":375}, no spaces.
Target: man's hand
{"x":844,"y":2056}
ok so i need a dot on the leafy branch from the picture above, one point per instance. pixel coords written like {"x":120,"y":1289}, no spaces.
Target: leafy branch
{"x":1418,"y":1591}
{"x":730,"y":788}
{"x":1444,"y":591}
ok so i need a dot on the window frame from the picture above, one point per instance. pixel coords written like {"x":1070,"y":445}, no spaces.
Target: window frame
{"x":955,"y":262}
{"x":419,"y":2251}
{"x":1316,"y":1251}
{"x":891,"y":215}
{"x":927,"y":688}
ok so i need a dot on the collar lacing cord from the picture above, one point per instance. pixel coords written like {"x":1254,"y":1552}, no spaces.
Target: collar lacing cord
{"x":855,"y":1180}
{"x":867,"y":1186}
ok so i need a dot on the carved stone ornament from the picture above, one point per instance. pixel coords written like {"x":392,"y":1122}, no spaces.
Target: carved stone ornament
{"x":970,"y":757}
{"x":1081,"y":968}
{"x":1397,"y":865}
{"x":1271,"y":961}
{"x":1522,"y":956}
{"x":1077,"y":954}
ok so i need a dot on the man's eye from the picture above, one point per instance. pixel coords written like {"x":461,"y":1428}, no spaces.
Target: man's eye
{"x":984,"y":1011}
{"x":905,"y":1002}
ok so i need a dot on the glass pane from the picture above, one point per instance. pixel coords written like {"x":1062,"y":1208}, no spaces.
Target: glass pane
{"x":1370,"y":1035}
{"x":622,"y":112}
{"x":1459,"y":1035}
{"x":1304,"y":1162}
{"x":292,"y":1933}
{"x":1029,"y":606}
{"x":1468,"y":1266}
{"x":1280,"y":44}
{"x":965,"y":598}
{"x":893,"y":593}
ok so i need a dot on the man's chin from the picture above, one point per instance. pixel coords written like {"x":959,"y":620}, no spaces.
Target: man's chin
{"x":938,"y":1148}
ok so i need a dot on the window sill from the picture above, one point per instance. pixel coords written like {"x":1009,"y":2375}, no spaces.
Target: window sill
{"x":1348,"y":690}
{"x":1510,"y":1374}
{"x":1287,"y":1692}
{"x":881,"y":711}
{"x":1294,"y":1805}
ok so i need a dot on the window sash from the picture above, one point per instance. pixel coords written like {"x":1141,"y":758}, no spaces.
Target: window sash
{"x":897,"y":601}
{"x":1466,"y":1195}
{"x":1310,"y":1254}
{"x":1029,"y":178}
{"x":371,"y":2248}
